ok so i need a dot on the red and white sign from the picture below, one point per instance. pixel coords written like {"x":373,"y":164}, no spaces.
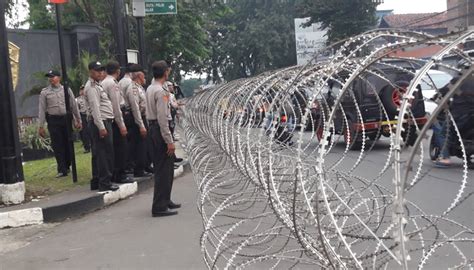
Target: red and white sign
{"x":57,"y":1}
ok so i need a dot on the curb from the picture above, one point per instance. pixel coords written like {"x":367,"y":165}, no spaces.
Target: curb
{"x":97,"y":201}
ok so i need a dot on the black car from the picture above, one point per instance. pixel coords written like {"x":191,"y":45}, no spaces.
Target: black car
{"x":380,"y":87}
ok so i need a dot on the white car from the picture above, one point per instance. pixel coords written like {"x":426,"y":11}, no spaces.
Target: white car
{"x":430,"y":84}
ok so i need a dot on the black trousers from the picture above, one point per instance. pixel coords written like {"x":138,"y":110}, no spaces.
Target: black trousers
{"x":57,"y":128}
{"x":120,"y":153}
{"x":137,"y":145}
{"x":163,"y":168}
{"x":102,"y":154}
{"x":84,"y":133}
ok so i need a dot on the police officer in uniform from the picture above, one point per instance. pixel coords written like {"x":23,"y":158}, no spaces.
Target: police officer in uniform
{"x":102,"y":117}
{"x":158,"y":115}
{"x":84,"y":133}
{"x":52,"y":109}
{"x":136,"y":105}
{"x":111,"y":87}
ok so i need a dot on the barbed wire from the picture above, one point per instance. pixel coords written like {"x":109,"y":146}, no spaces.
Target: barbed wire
{"x":289,"y":169}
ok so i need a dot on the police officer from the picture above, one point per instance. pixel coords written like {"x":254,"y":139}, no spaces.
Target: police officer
{"x":158,"y":115}
{"x":52,"y":109}
{"x":102,"y":116}
{"x":136,"y":105}
{"x":124,"y":83}
{"x":84,"y":133}
{"x":111,"y":87}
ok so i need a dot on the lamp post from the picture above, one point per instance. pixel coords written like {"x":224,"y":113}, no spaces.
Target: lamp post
{"x":70,"y":143}
{"x":12,"y":187}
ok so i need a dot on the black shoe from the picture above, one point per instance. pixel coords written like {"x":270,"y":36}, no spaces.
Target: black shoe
{"x":87,"y":151}
{"x":124,"y":179}
{"x":164,"y":213}
{"x":173,"y":205}
{"x":149,"y":170}
{"x":142,"y":174}
{"x":177,"y":160}
{"x":59,"y":175}
{"x":111,"y":187}
{"x":127,"y":180}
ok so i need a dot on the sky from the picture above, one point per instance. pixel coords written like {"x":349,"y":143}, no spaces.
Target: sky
{"x":413,"y":6}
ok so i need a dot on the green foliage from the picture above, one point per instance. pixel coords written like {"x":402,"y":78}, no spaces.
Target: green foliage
{"x":341,"y":18}
{"x":30,"y":138}
{"x":188,"y":86}
{"x":179,"y":38}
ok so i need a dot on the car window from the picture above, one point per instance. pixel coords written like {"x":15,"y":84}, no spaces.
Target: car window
{"x":439,"y":80}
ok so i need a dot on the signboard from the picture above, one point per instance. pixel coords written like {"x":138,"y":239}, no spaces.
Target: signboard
{"x":309,"y":40}
{"x":161,"y":7}
{"x":57,"y":1}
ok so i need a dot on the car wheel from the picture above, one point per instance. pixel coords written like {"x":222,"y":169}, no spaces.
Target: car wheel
{"x":392,"y":97}
{"x":350,"y":136}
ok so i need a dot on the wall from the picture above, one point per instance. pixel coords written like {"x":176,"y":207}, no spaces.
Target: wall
{"x":39,"y":52}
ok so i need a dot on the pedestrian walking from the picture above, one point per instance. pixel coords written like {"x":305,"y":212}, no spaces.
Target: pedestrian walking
{"x":52,"y":109}
{"x":102,"y":117}
{"x":158,"y":114}
{"x":136,"y":108}
{"x":111,"y":87}
{"x":84,"y":132}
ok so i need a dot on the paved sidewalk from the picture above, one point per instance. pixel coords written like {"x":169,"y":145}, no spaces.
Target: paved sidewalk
{"x":123,"y":236}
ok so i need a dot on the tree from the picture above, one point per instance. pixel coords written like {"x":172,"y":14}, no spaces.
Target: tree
{"x":179,"y":38}
{"x":341,"y":18}
{"x":251,"y":37}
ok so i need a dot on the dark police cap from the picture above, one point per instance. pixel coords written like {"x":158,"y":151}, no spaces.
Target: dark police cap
{"x":97,"y":66}
{"x":135,"y":68}
{"x":52,"y":73}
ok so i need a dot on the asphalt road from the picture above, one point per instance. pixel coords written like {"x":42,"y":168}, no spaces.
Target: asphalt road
{"x":123,"y":236}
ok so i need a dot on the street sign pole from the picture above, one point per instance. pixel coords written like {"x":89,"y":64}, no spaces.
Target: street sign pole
{"x":66,"y":90}
{"x":141,"y":42}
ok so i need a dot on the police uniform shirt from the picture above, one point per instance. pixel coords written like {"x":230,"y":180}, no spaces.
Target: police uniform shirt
{"x":100,"y":106}
{"x":111,"y":87}
{"x":136,"y":102}
{"x":81,"y":104}
{"x":124,"y":84}
{"x":158,"y":108}
{"x":52,"y":102}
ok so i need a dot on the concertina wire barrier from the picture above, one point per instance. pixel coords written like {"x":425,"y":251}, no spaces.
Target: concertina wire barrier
{"x":291,"y":176}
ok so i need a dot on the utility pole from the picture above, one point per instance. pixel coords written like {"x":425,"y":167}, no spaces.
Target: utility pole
{"x":12,"y":186}
{"x":139,"y":14}
{"x":119,"y":19}
{"x":66,"y":94}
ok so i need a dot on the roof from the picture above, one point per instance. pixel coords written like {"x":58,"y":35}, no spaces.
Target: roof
{"x":416,"y":20}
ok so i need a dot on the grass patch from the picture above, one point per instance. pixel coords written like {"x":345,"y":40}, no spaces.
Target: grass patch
{"x":40,"y":175}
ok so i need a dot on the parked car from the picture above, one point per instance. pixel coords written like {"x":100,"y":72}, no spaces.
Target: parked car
{"x":372,"y":93}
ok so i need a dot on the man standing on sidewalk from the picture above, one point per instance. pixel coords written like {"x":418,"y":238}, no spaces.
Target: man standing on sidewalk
{"x":84,"y":133}
{"x":158,"y":115}
{"x":52,"y":109}
{"x":102,"y":115}
{"x":111,"y":87}
{"x":136,"y":106}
